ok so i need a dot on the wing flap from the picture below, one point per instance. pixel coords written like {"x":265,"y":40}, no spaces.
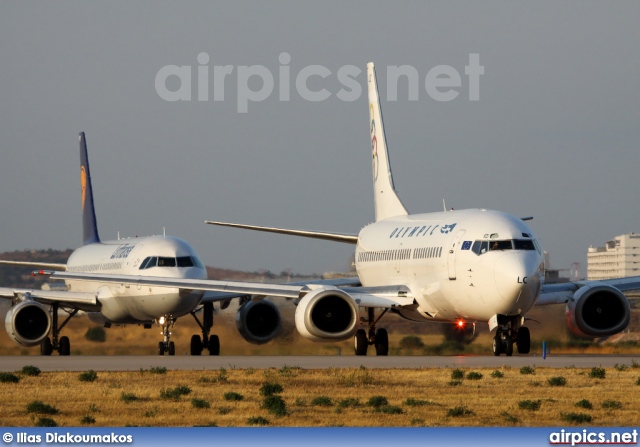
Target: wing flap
{"x":385,"y":297}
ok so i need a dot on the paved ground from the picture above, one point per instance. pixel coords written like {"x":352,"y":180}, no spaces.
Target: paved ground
{"x":135,"y":363}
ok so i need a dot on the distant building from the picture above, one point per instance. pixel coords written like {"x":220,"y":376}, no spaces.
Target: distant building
{"x":618,"y":258}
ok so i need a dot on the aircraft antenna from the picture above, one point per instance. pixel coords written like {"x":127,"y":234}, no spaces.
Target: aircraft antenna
{"x":164,"y":232}
{"x":118,"y":234}
{"x":444,"y":206}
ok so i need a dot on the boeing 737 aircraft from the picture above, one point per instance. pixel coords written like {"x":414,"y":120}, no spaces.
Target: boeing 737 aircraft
{"x":34,"y":314}
{"x":455,"y":266}
{"x":470,"y":266}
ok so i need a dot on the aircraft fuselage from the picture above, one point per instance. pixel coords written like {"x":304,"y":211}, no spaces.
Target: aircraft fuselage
{"x":468,"y":264}
{"x":128,"y":303}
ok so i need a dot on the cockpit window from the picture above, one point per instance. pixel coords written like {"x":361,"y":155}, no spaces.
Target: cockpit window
{"x":500,"y":245}
{"x":151,"y":261}
{"x":166,"y":262}
{"x":523,"y":244}
{"x":163,"y":261}
{"x":184,"y":261}
{"x":481,"y":247}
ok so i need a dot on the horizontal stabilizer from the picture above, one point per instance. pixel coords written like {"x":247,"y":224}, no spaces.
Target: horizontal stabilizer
{"x":336,"y":237}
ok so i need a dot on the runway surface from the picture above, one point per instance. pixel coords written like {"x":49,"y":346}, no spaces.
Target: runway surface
{"x":135,"y":363}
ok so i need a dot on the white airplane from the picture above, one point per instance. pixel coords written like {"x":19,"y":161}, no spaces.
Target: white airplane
{"x":457,"y":266}
{"x":34,"y":313}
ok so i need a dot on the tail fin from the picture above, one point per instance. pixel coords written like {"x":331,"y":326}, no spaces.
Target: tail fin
{"x":89,"y":224}
{"x":387,"y":202}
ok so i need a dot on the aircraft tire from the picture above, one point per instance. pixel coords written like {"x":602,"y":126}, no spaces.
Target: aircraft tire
{"x":523,"y":340}
{"x":46,"y":348}
{"x":196,"y":345}
{"x":172,"y":348}
{"x":214,"y":345}
{"x":65,"y":346}
{"x":497,"y":345}
{"x":382,"y":342}
{"x":508,"y":349}
{"x":361,"y":342}
{"x":160,"y":348}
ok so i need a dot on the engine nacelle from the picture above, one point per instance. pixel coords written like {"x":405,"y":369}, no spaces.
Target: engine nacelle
{"x":597,"y":311}
{"x":258,"y":321}
{"x":327,"y":314}
{"x":28,"y":323}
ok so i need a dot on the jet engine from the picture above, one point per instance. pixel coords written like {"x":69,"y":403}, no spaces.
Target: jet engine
{"x":327,"y":314}
{"x":28,"y":323}
{"x":258,"y":321}
{"x":597,"y":311}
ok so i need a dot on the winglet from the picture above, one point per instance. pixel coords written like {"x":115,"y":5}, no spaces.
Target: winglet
{"x":89,"y":224}
{"x":387,"y":202}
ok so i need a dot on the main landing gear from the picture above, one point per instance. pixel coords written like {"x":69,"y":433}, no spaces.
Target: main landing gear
{"x":60,"y":344}
{"x":198,"y":344}
{"x":508,"y":332}
{"x":209,"y":342}
{"x":379,"y":338}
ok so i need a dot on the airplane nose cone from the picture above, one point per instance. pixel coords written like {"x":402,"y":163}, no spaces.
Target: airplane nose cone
{"x":517,"y":281}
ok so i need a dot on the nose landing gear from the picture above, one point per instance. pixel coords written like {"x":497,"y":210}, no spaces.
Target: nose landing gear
{"x":166,"y":345}
{"x":508,"y":332}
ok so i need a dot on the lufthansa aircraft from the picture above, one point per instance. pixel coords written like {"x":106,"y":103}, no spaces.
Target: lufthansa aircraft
{"x":457,"y":266}
{"x":34,"y":314}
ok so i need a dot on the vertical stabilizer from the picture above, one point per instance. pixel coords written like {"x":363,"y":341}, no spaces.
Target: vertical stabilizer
{"x":387,"y":202}
{"x":89,"y":225}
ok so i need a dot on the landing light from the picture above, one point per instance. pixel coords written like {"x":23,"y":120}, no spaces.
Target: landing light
{"x":161,"y":320}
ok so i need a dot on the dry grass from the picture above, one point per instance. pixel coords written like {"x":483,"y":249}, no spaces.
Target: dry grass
{"x":485,"y":402}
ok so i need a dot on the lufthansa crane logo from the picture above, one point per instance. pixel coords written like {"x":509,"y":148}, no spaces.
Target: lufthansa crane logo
{"x":374,"y":145}
{"x":83,"y":185}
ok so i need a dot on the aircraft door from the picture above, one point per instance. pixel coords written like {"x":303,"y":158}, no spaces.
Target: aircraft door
{"x":453,"y":250}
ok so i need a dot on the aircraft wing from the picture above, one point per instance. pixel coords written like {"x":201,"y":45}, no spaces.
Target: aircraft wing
{"x":80,"y":300}
{"x":379,"y":297}
{"x":336,"y":237}
{"x":562,"y":293}
{"x":40,"y":265}
{"x":213,"y":297}
{"x":230,"y":288}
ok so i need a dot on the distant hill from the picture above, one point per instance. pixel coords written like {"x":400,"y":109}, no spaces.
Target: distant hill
{"x":11,"y":276}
